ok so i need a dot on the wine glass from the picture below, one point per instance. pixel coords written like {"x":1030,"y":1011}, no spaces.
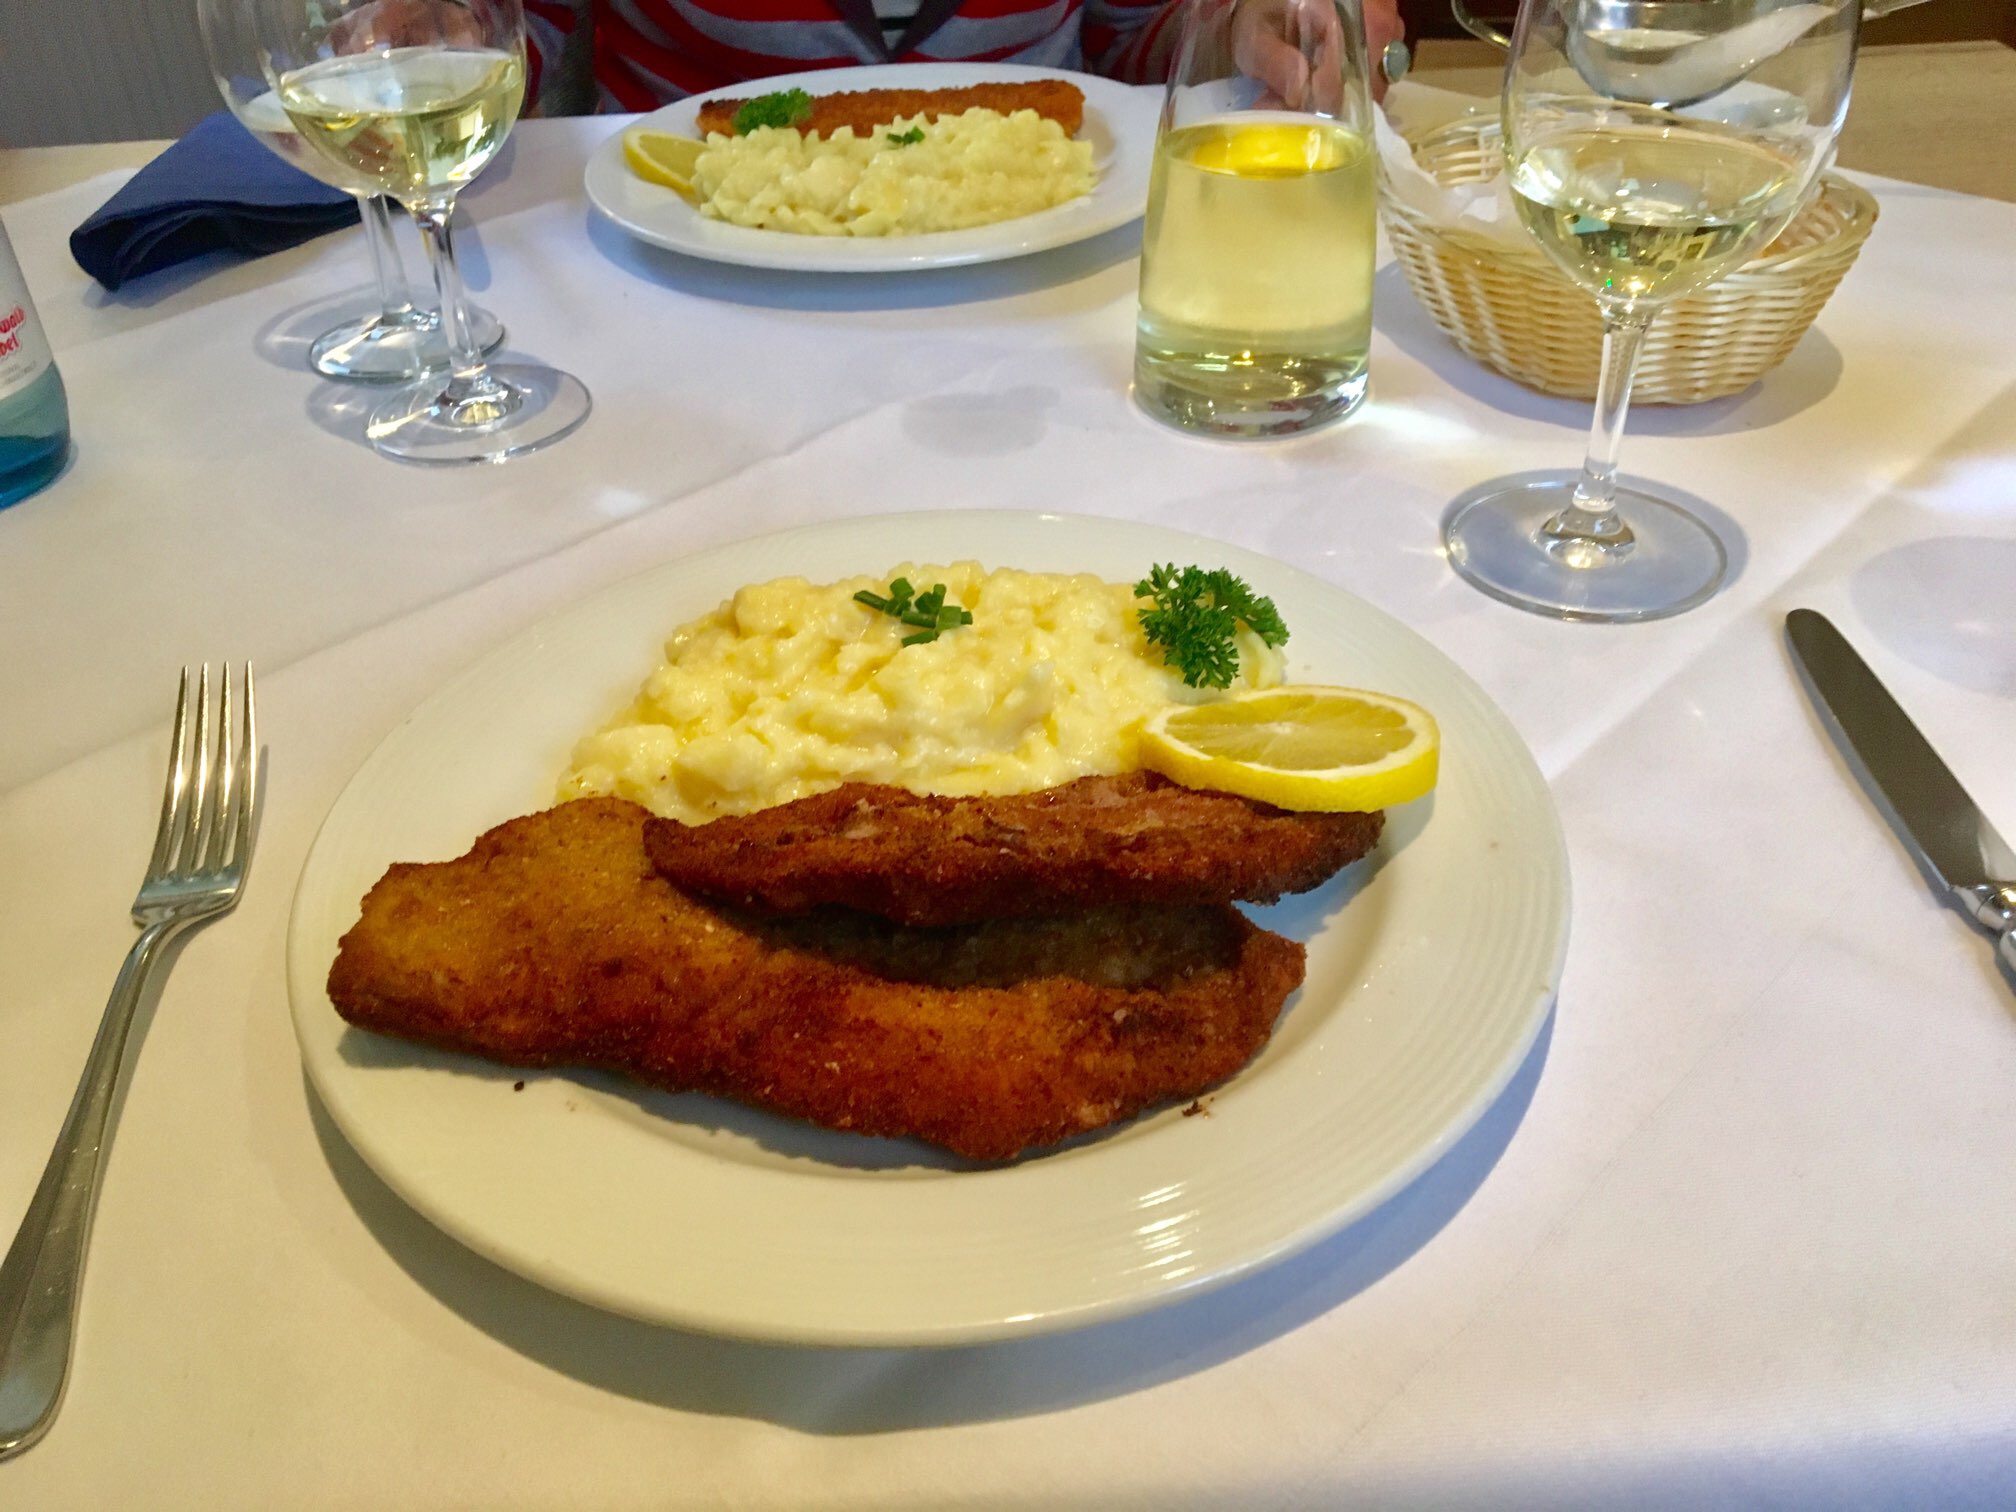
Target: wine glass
{"x":1652,"y":146}
{"x":416,"y":97}
{"x":1257,"y":251}
{"x":400,"y":342}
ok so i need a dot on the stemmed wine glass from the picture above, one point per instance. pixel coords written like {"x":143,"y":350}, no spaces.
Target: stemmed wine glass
{"x":1652,"y":146}
{"x":401,"y":341}
{"x":416,"y":97}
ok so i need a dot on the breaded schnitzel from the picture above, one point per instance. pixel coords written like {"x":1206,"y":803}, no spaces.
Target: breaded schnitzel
{"x":1100,"y":840}
{"x":867,"y":110}
{"x":554,"y":943}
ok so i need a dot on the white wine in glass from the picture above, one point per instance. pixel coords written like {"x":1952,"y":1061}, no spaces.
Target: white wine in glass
{"x":263,"y":116}
{"x":398,"y":342}
{"x":1647,"y":212}
{"x":1642,"y":202}
{"x":417,"y":97}
{"x":415,"y":120}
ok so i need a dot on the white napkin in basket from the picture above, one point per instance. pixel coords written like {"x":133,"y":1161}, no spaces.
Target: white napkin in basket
{"x":1481,"y":209}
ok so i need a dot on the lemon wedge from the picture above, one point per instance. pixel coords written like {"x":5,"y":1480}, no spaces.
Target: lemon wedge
{"x":1320,"y":749}
{"x":663,"y":158}
{"x":1273,"y":151}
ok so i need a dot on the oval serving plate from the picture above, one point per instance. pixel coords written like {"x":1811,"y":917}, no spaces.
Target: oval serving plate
{"x":1119,"y":122}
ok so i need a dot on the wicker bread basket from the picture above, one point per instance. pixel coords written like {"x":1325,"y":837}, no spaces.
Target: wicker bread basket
{"x":1516,"y":312}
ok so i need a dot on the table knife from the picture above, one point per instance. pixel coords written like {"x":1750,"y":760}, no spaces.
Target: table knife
{"x":1946,"y":828}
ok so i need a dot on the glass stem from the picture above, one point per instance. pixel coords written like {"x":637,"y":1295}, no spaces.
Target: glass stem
{"x":472,"y":391}
{"x":394,"y":293}
{"x":1591,"y":523}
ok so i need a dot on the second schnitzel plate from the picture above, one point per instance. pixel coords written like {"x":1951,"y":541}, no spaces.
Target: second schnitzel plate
{"x":1421,"y":999}
{"x":1119,"y":123}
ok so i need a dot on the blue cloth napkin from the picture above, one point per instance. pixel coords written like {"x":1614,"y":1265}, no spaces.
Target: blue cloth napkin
{"x":219,"y":188}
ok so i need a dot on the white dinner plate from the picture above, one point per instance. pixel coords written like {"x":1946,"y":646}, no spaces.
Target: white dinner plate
{"x":1431,"y":969}
{"x":1119,"y":123}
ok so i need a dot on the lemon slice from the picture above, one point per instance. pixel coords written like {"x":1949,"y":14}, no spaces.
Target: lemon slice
{"x":663,"y":158}
{"x":1325,"y":749}
{"x":1271,"y":151}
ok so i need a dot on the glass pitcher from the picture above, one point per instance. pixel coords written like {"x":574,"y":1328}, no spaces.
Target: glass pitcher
{"x":1257,"y":251}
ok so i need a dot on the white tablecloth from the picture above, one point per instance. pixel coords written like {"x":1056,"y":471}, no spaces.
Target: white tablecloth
{"x":1741,"y":1232}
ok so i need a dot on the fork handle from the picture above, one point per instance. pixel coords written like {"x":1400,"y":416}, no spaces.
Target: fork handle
{"x":40,"y":1278}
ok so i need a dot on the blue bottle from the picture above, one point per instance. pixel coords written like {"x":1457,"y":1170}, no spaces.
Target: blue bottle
{"x":34,"y":414}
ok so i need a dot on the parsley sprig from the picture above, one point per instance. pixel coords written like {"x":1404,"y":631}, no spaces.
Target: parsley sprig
{"x":1195,"y":618}
{"x":908,"y":138}
{"x":928,"y":611}
{"x":786,"y":107}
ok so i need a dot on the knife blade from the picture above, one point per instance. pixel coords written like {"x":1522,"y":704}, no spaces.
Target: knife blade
{"x":1946,"y":828}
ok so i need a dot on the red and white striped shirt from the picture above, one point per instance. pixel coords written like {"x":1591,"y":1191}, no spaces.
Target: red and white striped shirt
{"x":650,"y":51}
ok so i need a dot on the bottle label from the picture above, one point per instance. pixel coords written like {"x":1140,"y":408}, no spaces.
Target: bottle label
{"x":24,"y":350}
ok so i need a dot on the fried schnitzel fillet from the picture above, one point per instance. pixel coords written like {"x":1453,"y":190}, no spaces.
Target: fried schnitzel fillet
{"x":868,"y":109}
{"x":554,"y":943}
{"x":1100,"y":840}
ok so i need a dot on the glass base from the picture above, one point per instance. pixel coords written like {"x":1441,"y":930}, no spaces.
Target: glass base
{"x":1249,"y":398}
{"x":1666,"y":563}
{"x":513,"y":409}
{"x":394,"y":349}
{"x":31,"y":463}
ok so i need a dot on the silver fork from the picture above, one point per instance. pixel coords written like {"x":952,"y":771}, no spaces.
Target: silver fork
{"x":209,"y":814}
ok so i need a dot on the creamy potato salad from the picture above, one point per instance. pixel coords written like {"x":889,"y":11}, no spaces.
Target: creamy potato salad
{"x":912,"y":176}
{"x":792,"y":688}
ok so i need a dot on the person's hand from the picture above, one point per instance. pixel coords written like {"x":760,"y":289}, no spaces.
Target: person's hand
{"x":1275,"y":41}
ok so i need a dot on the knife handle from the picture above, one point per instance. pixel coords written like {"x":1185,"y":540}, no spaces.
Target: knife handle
{"x":2008,"y":949}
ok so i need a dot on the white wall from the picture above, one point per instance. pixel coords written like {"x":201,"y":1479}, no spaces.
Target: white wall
{"x":100,"y":71}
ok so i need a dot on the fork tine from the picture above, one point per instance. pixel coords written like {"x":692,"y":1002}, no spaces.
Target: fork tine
{"x":171,"y":793}
{"x":248,"y":784}
{"x":232,"y":759}
{"x":192,"y":812}
{"x":241,"y":779}
{"x":217,"y":797}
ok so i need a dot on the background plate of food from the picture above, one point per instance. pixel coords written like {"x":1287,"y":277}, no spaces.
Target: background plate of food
{"x":1020,"y":160}
{"x":1395,"y":998}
